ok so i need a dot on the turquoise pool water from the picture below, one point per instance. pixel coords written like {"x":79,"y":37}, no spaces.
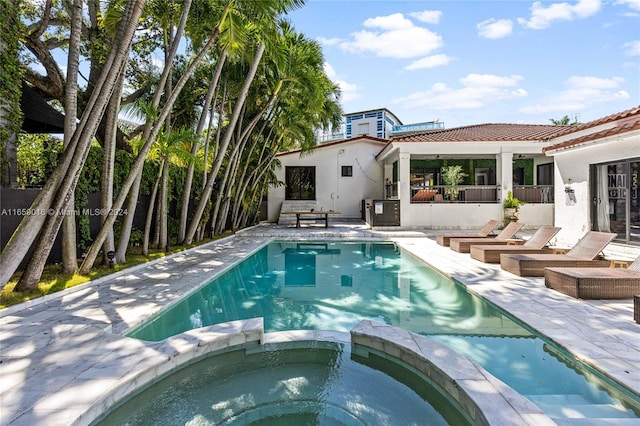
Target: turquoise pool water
{"x":298,"y":383}
{"x":332,"y":286}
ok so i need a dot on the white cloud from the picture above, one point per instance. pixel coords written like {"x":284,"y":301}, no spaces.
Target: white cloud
{"x":429,"y":62}
{"x":349,"y":91}
{"x":633,"y":4}
{"x":329,"y":41}
{"x":492,"y":28}
{"x":581,"y":92}
{"x":489,"y":80}
{"x":542,"y":17}
{"x":477,"y":91}
{"x":393,"y":36}
{"x":428,"y":16}
{"x":632,"y":48}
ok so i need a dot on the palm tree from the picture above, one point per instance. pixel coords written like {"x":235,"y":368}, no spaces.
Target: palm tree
{"x":58,"y":189}
{"x":565,"y":121}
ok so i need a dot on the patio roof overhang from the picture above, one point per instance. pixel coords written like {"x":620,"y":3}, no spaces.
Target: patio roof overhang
{"x":462,"y":150}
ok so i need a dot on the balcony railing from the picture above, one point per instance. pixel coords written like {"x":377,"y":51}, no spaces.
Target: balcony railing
{"x":455,"y":194}
{"x":534,"y":194}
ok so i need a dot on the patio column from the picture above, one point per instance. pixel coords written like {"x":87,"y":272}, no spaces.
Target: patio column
{"x":404,"y":189}
{"x":505,"y":174}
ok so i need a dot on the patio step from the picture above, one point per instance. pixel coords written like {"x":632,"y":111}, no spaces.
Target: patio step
{"x":572,"y":408}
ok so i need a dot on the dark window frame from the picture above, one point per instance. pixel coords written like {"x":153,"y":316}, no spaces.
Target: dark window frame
{"x":346,"y":171}
{"x":300,"y":183}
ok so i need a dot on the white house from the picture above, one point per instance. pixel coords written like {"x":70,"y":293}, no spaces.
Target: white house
{"x":597,"y":178}
{"x":580,"y":178}
{"x":334,"y":176}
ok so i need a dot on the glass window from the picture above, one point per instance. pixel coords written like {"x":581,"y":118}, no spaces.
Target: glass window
{"x":347,"y":171}
{"x":545,"y":174}
{"x":300,"y":183}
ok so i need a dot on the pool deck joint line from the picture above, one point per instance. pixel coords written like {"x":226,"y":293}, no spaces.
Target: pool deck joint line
{"x":61,"y":353}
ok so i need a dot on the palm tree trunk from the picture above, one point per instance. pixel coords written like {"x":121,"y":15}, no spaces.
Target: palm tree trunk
{"x":127,"y":223}
{"x":188,"y":181}
{"x":69,"y":249}
{"x":65,"y":176}
{"x":164,"y":207}
{"x":108,"y":163}
{"x":224,"y":145}
{"x":149,"y":219}
{"x":149,"y":136}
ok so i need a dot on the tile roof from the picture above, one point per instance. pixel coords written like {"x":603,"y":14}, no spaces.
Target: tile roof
{"x":629,"y":113}
{"x":628,"y":123}
{"x":488,"y":133}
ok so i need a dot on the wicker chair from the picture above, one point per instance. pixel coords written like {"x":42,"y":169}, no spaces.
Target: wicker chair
{"x":595,"y":283}
{"x":536,"y":244}
{"x":462,"y":245}
{"x":583,"y":254}
{"x":443,"y":239}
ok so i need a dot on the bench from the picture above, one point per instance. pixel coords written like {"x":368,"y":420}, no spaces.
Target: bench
{"x":312,"y":215}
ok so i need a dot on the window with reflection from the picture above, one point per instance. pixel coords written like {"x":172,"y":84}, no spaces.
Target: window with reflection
{"x":300,"y":183}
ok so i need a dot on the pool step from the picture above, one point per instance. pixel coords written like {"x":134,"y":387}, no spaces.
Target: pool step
{"x":575,"y":409}
{"x":596,"y":422}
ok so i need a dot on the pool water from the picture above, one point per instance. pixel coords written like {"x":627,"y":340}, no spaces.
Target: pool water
{"x":301,"y":383}
{"x":335,"y":285}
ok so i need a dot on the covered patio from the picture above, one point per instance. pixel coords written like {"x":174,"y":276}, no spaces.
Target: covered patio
{"x":496,"y":159}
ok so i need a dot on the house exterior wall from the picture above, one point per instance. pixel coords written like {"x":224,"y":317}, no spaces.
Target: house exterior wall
{"x":573,"y":211}
{"x":472,"y":216}
{"x":333,"y":191}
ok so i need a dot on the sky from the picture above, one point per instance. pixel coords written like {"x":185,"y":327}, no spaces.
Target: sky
{"x":472,"y":62}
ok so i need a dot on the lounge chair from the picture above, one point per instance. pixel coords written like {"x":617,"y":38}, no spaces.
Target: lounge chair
{"x":595,"y":283}
{"x":536,"y":244}
{"x":462,"y":245}
{"x":583,"y":254}
{"x":443,"y":239}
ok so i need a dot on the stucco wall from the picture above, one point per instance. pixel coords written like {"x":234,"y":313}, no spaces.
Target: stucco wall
{"x":473,"y":216}
{"x":573,"y":213}
{"x":333,"y":191}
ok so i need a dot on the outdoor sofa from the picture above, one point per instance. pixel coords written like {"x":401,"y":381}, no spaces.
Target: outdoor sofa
{"x":443,"y":239}
{"x":584,"y":254}
{"x":595,"y":283}
{"x":462,"y":245}
{"x":536,"y":244}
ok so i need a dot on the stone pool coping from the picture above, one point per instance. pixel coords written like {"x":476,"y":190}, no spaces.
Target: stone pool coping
{"x":484,"y":399}
{"x":62,"y":350}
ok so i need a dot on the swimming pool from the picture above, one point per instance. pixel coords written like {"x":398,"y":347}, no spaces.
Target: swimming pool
{"x":334,"y":285}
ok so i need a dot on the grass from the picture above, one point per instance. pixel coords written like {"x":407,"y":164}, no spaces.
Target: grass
{"x":53,"y":280}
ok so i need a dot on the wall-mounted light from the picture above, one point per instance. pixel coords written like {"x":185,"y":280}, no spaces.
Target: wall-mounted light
{"x":567,"y":187}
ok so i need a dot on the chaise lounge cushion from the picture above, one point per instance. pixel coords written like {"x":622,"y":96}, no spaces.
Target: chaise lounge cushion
{"x":536,"y":244}
{"x":443,"y":239}
{"x":462,"y":245}
{"x":583,"y":254}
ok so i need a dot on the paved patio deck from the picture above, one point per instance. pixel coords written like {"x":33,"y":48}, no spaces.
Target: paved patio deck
{"x":59,"y":352}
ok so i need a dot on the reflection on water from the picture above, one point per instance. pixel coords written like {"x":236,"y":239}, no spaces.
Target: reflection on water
{"x":333,"y":286}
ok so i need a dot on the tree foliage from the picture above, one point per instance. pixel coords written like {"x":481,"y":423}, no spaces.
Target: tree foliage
{"x":243,"y":86}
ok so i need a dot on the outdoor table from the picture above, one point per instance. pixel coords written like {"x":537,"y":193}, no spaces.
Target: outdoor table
{"x":303,"y":215}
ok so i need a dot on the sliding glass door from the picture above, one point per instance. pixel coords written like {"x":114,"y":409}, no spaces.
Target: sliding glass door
{"x":615,"y":194}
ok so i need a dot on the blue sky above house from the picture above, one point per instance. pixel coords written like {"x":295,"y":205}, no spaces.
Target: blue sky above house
{"x":469,"y":62}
